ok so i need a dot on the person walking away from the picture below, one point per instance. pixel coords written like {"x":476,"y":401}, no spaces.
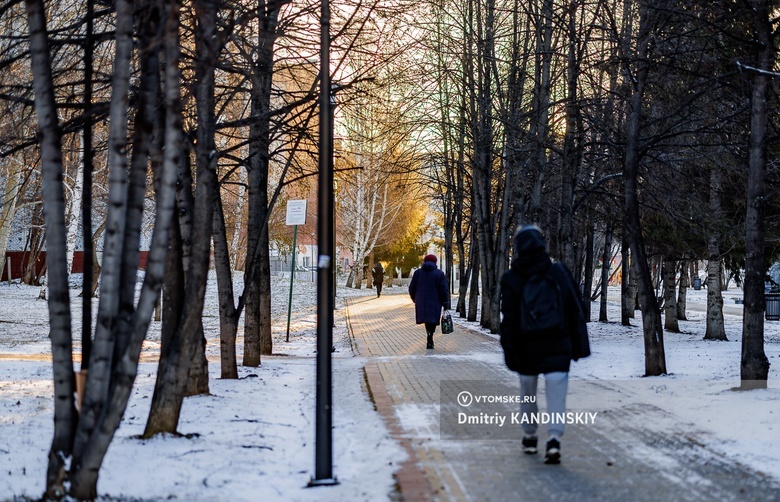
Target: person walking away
{"x":543,"y":329}
{"x":429,"y":292}
{"x":378,"y":274}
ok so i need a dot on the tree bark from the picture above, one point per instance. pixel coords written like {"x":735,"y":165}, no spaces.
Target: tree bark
{"x":682,"y":295}
{"x":754,"y":367}
{"x":587,"y":286}
{"x":626,"y":296}
{"x":670,"y":298}
{"x":228,"y":315}
{"x":540,"y":118}
{"x":65,"y":418}
{"x":716,"y":329}
{"x":257,"y":323}
{"x":134,"y":327}
{"x":572,"y":143}
{"x":471,"y":316}
{"x":172,"y":376}
{"x":606,"y":263}
{"x":206,"y":160}
{"x":655,"y":358}
{"x":111,"y":297}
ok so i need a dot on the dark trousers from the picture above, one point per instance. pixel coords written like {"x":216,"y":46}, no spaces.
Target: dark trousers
{"x":430,"y":327}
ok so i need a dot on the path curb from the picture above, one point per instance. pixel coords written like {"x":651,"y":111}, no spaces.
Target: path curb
{"x":411,"y":480}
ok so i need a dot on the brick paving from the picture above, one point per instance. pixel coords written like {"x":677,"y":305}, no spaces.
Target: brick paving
{"x":405,"y":383}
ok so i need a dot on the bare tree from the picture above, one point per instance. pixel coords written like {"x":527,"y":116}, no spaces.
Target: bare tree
{"x":81,"y":441}
{"x":754,"y":368}
{"x":655,"y":359}
{"x":65,"y":417}
{"x":172,"y":377}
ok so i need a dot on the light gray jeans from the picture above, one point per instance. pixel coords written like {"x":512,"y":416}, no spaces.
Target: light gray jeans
{"x":556,"y":385}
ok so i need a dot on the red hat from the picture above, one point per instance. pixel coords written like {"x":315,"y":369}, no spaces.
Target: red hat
{"x":430,"y":257}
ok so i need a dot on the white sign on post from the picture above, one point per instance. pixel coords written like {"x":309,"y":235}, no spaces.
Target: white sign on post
{"x":296,"y":212}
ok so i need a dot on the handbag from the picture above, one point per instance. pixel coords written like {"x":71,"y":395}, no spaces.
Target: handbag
{"x":446,"y":323}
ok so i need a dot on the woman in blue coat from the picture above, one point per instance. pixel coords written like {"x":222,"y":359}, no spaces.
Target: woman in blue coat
{"x":429,"y":293}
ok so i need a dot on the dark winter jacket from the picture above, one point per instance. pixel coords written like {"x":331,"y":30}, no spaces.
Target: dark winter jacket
{"x":429,"y":293}
{"x":551,"y":352}
{"x":378,"y":274}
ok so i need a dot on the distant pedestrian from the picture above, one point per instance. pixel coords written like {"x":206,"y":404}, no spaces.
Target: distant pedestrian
{"x":429,"y":292}
{"x":378,"y":274}
{"x":542,"y":330}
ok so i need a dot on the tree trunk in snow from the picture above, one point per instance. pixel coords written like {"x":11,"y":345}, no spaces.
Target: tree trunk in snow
{"x":173,"y":373}
{"x":474,"y":286}
{"x":257,"y":277}
{"x":626,"y":296}
{"x":238,"y":212}
{"x":109,"y":385}
{"x":655,"y":358}
{"x":65,"y":417}
{"x":670,"y":295}
{"x":228,"y":315}
{"x":754,"y":367}
{"x":587,"y":285}
{"x":74,"y":212}
{"x":682,"y":295}
{"x":606,"y":262}
{"x":716,"y":329}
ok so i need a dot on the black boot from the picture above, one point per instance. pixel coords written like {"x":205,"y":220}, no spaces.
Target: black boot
{"x":430,"y":341}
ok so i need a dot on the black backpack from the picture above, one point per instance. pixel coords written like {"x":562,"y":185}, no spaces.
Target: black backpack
{"x":541,"y":305}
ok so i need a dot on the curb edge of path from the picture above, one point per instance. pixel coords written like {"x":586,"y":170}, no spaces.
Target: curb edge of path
{"x":410,"y":477}
{"x":412,"y":483}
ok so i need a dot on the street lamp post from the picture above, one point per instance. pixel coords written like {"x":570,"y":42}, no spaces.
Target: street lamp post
{"x":323,"y":439}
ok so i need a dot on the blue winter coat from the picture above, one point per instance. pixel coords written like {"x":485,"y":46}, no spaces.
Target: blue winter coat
{"x":429,"y":293}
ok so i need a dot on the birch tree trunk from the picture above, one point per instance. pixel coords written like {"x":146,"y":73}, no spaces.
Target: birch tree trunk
{"x":471,"y":316}
{"x":605,"y":268}
{"x":98,"y":380}
{"x":670,"y":297}
{"x":13,"y":186}
{"x":228,"y":315}
{"x":588,"y":279}
{"x":682,"y":295}
{"x":238,"y":220}
{"x":74,"y":211}
{"x":131,"y":330}
{"x":716,"y":329}
{"x":626,"y":296}
{"x":65,"y":418}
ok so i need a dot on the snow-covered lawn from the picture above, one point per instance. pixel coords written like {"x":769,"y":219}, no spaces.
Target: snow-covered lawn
{"x":251,"y":439}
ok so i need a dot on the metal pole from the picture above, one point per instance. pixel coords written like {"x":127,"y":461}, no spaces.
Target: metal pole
{"x":323,"y":440}
{"x":86,"y":191}
{"x":332,"y":195}
{"x":292,"y":277}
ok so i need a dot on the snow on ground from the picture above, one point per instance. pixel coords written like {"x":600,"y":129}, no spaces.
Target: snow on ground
{"x":252,"y":439}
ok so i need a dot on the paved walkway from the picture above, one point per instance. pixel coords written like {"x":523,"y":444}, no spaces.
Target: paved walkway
{"x":612,"y":460}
